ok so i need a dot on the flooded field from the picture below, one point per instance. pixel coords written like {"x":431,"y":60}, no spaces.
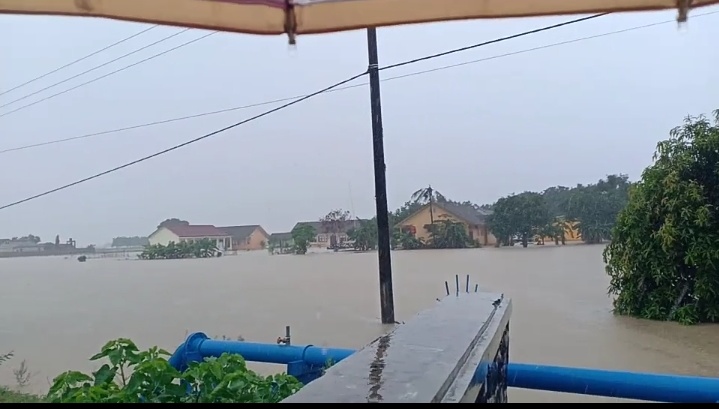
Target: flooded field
{"x":56,"y":312}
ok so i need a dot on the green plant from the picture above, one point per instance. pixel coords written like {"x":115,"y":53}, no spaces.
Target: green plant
{"x":663,"y":259}
{"x":22,"y":374}
{"x":448,"y":234}
{"x":22,"y":377}
{"x":134,"y":376}
{"x":203,"y":248}
{"x":9,"y":396}
{"x":302,"y":235}
{"x":365,"y":235}
{"x":329,"y":363}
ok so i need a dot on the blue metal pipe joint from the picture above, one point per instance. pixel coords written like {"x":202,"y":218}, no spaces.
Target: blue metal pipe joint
{"x":306,"y":363}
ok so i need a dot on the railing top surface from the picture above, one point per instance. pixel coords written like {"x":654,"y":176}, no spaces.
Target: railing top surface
{"x":417,"y":361}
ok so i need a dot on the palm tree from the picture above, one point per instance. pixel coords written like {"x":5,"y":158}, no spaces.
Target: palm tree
{"x":427,"y":195}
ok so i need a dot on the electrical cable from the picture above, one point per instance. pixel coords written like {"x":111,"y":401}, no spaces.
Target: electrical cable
{"x":78,"y":60}
{"x":96,"y":67}
{"x":275,"y":101}
{"x":191,"y":141}
{"x":152,"y":57}
{"x":425,"y":58}
{"x":496,"y":40}
{"x":288,"y":104}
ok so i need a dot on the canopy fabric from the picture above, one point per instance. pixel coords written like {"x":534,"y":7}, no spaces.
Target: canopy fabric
{"x":323,"y":16}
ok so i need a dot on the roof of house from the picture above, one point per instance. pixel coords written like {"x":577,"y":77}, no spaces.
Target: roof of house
{"x":196,"y":230}
{"x":281,"y":236}
{"x":467,"y":213}
{"x":241,"y":232}
{"x":321,"y":228}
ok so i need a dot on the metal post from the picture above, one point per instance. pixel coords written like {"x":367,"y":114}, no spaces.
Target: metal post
{"x":386,"y":294}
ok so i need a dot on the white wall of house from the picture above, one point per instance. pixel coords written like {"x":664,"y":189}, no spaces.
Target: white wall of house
{"x":222,"y":243}
{"x":163,"y":236}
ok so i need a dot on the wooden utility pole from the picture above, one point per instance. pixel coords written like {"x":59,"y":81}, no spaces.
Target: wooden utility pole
{"x":386,"y":293}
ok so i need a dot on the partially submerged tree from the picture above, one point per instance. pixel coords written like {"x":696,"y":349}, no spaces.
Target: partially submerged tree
{"x":302,"y":236}
{"x":663,"y":259}
{"x":594,"y":208}
{"x":449,"y":234}
{"x":365,"y":235}
{"x":523,"y":215}
{"x":335,"y":222}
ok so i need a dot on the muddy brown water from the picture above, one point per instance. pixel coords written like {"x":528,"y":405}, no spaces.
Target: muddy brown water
{"x":56,"y":312}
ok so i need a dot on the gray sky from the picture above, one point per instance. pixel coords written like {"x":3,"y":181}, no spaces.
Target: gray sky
{"x":564,"y":115}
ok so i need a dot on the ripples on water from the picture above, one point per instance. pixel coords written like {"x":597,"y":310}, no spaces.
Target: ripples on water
{"x":56,"y":312}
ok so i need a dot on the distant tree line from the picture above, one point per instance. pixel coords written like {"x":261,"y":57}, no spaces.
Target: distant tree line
{"x":590,"y":210}
{"x":25,"y":239}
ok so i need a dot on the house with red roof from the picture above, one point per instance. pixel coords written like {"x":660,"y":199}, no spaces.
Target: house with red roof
{"x":185,"y":232}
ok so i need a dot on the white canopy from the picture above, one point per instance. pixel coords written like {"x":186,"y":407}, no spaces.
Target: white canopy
{"x":323,"y":16}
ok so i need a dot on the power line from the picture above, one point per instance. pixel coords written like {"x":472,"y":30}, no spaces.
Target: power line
{"x":275,"y":101}
{"x":425,"y":58}
{"x":496,"y":40}
{"x":96,"y":67}
{"x":152,"y":57}
{"x":79,"y":59}
{"x":170,"y":149}
{"x":288,"y":104}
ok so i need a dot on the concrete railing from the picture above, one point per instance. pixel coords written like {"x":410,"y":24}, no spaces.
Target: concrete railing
{"x":432,"y":359}
{"x":455,"y":352}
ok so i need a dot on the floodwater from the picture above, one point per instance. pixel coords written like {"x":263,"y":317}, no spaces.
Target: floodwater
{"x":56,"y":312}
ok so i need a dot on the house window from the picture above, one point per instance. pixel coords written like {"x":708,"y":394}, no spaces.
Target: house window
{"x":321,"y":238}
{"x":409,"y":229}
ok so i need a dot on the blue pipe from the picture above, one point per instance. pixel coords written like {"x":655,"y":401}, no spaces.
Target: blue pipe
{"x":198,"y":346}
{"x":616,"y":384}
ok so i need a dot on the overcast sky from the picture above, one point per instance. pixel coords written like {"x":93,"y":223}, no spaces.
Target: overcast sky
{"x":557,"y":116}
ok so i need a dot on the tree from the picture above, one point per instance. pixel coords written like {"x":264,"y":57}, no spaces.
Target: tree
{"x":403,"y":212}
{"x":448,"y":234}
{"x":427,"y":195}
{"x":557,"y":198}
{"x":31,"y":238}
{"x":523,"y":215}
{"x":173,"y":222}
{"x":302,"y":235}
{"x":594,"y":208}
{"x":334,"y":223}
{"x":563,"y":227}
{"x":663,"y":259}
{"x":365,"y":235}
